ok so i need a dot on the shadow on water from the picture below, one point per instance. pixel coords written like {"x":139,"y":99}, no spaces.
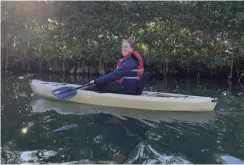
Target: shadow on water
{"x":107,"y":135}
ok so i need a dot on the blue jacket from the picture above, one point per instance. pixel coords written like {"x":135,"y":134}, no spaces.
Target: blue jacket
{"x":123,"y":71}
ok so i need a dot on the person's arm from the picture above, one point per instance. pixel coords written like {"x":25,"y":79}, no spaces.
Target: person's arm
{"x":118,"y":73}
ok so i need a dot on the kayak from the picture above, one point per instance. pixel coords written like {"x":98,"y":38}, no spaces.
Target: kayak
{"x":41,"y":105}
{"x":146,"y":101}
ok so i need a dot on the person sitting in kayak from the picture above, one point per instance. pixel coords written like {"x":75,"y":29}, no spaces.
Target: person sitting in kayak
{"x":124,"y":79}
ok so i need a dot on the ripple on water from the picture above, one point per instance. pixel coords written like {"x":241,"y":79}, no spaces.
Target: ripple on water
{"x":145,"y":138}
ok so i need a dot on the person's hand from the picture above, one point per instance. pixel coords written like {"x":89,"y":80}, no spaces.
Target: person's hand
{"x":92,"y":81}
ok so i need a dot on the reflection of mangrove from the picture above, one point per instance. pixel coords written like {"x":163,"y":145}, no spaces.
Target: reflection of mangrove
{"x":15,"y":106}
{"x":145,"y":154}
{"x":109,"y":136}
{"x":188,"y":139}
{"x":166,"y":136}
{"x":98,"y":137}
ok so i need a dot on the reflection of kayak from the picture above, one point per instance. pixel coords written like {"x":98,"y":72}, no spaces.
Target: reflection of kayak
{"x":146,"y":101}
{"x":40,"y":104}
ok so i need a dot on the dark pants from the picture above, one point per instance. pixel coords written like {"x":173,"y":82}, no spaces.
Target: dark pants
{"x":112,"y":87}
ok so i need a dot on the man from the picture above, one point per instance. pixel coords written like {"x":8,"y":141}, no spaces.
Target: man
{"x":124,"y":79}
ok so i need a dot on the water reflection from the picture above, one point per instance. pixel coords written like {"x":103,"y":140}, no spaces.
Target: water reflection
{"x":147,"y":117}
{"x":134,"y":125}
{"x":107,"y":135}
{"x":145,"y":154}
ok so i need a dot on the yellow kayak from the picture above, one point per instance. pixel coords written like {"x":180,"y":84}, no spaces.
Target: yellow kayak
{"x":157,"y":101}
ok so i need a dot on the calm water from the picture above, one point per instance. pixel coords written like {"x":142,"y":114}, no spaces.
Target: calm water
{"x":103,"y":135}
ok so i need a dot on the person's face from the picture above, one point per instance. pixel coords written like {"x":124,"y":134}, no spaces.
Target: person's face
{"x":126,"y":48}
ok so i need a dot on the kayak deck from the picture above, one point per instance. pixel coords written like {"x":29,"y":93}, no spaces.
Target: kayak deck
{"x":147,"y":101}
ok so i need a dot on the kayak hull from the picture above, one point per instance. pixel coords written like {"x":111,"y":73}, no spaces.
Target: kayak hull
{"x":146,"y":101}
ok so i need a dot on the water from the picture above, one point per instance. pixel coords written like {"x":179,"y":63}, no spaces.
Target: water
{"x":87,"y":134}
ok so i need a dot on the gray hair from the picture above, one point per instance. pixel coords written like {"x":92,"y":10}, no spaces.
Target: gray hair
{"x":131,"y":41}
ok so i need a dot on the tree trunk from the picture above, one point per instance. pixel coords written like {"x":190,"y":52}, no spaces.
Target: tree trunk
{"x":242,"y":75}
{"x":72,"y":71}
{"x":212,"y":71}
{"x":63,"y":66}
{"x":6,"y":61}
{"x":237,"y":68}
{"x":166,"y":69}
{"x":74,"y":64}
{"x":28,"y":65}
{"x":40,"y":64}
{"x":198,"y":75}
{"x":23,"y":65}
{"x":56,"y":66}
{"x":100,"y":63}
{"x":78,"y":68}
{"x":231,"y":69}
{"x":101,"y":67}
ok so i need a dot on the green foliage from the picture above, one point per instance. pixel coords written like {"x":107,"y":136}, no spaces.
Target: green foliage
{"x":207,"y":33}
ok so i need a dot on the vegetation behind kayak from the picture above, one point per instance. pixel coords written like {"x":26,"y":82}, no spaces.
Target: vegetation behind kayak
{"x":173,"y":37}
